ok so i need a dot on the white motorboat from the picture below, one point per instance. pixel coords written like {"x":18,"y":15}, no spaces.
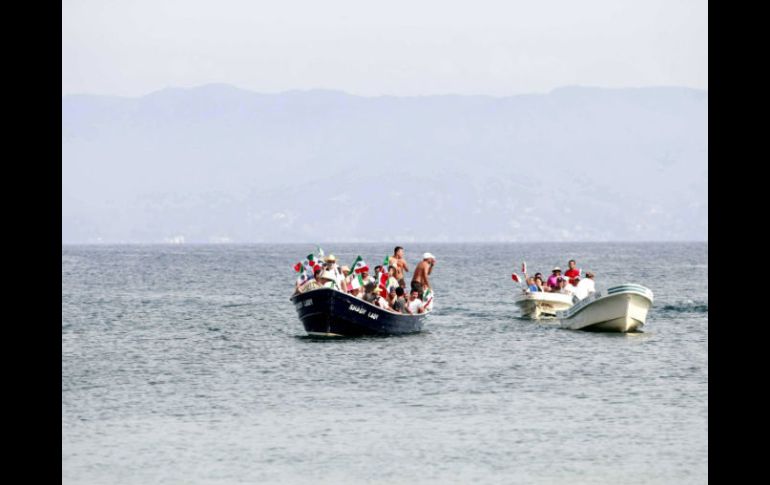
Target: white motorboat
{"x":541,"y":304}
{"x":621,"y":308}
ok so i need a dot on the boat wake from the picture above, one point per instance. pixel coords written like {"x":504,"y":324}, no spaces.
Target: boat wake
{"x":687,"y":307}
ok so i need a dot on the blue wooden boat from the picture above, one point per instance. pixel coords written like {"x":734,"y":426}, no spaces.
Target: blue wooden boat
{"x":326,"y":312}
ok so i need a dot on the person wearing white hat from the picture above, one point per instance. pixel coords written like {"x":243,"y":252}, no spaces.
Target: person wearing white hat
{"x":420,"y":280}
{"x":338,"y":277}
{"x":553,"y":280}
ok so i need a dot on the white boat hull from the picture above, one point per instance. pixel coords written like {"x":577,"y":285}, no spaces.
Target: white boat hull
{"x":618,"y":309}
{"x":540,"y":304}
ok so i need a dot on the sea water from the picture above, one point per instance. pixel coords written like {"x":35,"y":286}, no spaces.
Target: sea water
{"x":188,"y":364}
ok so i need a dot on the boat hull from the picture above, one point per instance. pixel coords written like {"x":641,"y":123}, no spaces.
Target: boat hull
{"x":619,"y":309}
{"x":539,"y":304}
{"x":326,"y":312}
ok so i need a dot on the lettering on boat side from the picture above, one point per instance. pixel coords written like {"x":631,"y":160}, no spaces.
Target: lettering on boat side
{"x":308,"y":302}
{"x":361,"y":310}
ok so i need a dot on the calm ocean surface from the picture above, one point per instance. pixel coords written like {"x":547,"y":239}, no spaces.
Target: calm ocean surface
{"x":187,"y":364}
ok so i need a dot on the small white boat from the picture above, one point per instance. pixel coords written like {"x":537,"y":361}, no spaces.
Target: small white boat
{"x":541,"y":304}
{"x":621,"y":308}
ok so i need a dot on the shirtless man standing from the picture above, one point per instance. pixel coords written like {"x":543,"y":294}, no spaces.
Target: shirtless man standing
{"x":420,"y":280}
{"x":398,"y":262}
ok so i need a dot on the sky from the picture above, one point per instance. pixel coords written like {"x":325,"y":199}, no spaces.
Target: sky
{"x":400,"y":48}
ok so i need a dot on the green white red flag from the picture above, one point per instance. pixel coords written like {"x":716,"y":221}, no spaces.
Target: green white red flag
{"x":359,"y":265}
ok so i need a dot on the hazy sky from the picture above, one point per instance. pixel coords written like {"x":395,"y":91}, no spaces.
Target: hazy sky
{"x":133,"y":47}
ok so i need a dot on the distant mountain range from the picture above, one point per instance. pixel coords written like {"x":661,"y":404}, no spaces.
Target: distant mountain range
{"x":222,"y":164}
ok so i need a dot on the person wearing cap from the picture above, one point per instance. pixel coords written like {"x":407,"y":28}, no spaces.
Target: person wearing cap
{"x":397,"y":261}
{"x":420,"y":280}
{"x":553,"y":280}
{"x":585,"y":286}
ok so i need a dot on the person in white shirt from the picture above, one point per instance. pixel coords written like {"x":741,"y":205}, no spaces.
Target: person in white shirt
{"x":414,"y":305}
{"x":585,"y":286}
{"x":565,"y":287}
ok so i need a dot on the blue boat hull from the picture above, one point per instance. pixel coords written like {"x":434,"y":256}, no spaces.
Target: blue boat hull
{"x":328,"y":312}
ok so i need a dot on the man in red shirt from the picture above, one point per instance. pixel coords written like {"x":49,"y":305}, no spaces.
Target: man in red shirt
{"x":572,"y":271}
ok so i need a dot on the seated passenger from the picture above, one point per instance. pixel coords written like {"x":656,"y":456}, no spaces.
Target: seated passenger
{"x":369,"y":294}
{"x":399,"y":304}
{"x":314,"y":283}
{"x":344,"y":282}
{"x":414,"y":305}
{"x":392,"y":296}
{"x":585,"y":286}
{"x":566,"y":288}
{"x":531,"y":284}
{"x":553,"y":280}
{"x":539,"y":282}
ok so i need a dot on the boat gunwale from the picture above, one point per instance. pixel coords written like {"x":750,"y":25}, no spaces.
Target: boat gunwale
{"x":602,"y":295}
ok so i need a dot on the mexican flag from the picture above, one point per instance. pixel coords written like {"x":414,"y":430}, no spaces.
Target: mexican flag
{"x":302,"y":275}
{"x":385,"y":262}
{"x":515,"y":278}
{"x":356,"y":281}
{"x":311,"y":263}
{"x":427,"y":298}
{"x":359,"y":266}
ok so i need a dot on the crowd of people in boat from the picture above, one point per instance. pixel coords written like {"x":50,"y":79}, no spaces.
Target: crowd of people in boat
{"x":386,"y":288}
{"x":571,"y":283}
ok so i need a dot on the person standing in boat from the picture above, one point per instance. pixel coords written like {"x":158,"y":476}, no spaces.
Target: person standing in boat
{"x":421,"y":280}
{"x":397,"y":261}
{"x":392,"y":282}
{"x":331,"y":266}
{"x":572,"y":271}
